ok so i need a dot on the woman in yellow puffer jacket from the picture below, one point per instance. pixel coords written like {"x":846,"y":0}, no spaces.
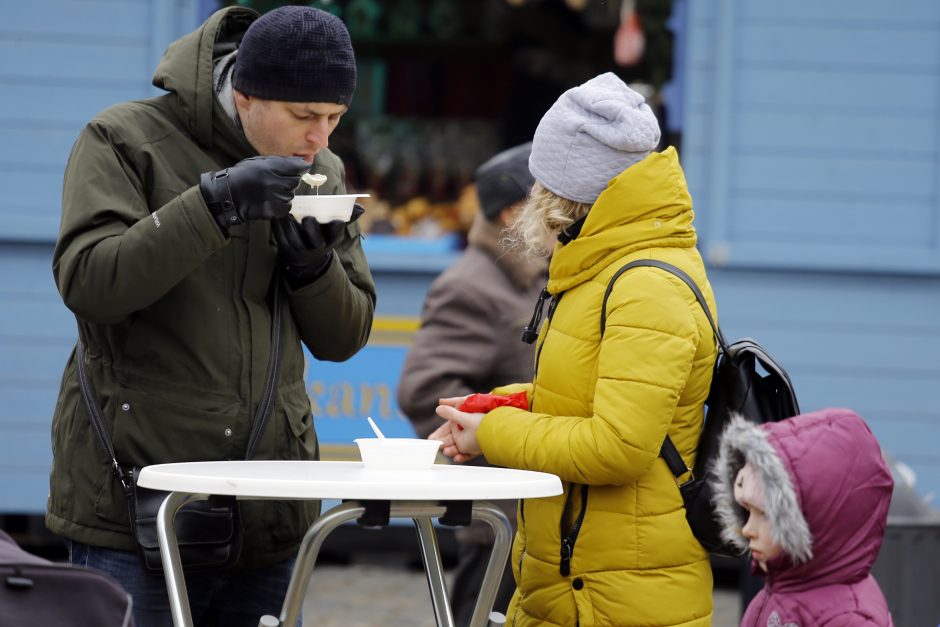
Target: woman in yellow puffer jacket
{"x":614,"y":548}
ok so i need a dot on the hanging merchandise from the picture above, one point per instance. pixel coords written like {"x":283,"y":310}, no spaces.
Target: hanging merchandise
{"x":629,"y":40}
{"x":362,"y":18}
{"x":404,"y":19}
{"x":602,"y":15}
{"x":330,"y":6}
{"x":444,"y":19}
{"x":492,"y":20}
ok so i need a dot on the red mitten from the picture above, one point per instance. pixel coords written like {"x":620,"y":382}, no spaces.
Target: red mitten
{"x":482,"y":403}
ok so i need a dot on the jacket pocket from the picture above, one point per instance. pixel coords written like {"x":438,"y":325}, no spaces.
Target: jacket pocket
{"x":299,"y":439}
{"x":165,"y":426}
{"x":289,"y":520}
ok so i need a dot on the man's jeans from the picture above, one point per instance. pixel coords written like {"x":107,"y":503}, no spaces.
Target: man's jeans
{"x":216,"y":598}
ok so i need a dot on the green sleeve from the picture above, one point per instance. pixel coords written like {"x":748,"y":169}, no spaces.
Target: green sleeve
{"x":113,"y":256}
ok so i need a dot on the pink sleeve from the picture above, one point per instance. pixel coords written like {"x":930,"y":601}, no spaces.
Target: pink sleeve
{"x":854,"y":619}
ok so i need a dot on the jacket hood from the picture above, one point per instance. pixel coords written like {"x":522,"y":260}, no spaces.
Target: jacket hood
{"x":645,"y":206}
{"x":186,"y":70}
{"x":826,"y":493}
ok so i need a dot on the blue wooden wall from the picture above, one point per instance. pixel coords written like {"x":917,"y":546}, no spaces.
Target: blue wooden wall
{"x":810,"y":144}
{"x":61,"y":61}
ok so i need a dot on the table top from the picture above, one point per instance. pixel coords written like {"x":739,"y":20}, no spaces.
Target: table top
{"x":348,"y":480}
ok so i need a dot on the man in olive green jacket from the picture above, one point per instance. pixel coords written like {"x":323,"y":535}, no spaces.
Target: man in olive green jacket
{"x":174,"y":230}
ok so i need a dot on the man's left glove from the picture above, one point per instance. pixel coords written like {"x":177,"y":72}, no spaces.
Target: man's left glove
{"x":257,"y":188}
{"x":305,"y":249}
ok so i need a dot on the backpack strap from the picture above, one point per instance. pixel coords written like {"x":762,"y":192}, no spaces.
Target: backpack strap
{"x":668,"y":451}
{"x":671,"y":269}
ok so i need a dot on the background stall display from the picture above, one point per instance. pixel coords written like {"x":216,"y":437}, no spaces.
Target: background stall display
{"x":445,"y":84}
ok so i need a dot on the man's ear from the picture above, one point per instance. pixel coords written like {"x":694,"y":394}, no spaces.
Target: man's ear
{"x":241,"y":100}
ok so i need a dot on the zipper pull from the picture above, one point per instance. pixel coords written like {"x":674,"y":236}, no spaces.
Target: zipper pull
{"x":566,"y":551}
{"x":531,"y":330}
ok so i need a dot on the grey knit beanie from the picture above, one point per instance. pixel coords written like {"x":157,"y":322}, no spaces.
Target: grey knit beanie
{"x":296,"y":54}
{"x":591,"y":134}
{"x":504,"y":180}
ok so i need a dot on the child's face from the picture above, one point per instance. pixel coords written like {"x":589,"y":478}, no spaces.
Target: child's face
{"x":757,"y":532}
{"x":749,"y":494}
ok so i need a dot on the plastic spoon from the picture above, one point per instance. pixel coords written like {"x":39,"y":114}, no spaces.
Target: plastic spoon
{"x":314,"y":180}
{"x":375,"y":428}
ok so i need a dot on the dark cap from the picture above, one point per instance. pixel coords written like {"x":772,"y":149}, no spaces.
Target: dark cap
{"x":296,"y":54}
{"x":504,"y":180}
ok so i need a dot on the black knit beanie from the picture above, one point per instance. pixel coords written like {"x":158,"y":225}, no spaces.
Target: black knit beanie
{"x":296,"y":54}
{"x":504,"y":180}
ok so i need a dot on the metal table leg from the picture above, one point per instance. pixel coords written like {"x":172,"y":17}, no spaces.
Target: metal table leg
{"x":502,"y":530}
{"x":327,"y":522}
{"x":431,"y":556}
{"x":430,"y":553}
{"x":421,"y":514}
{"x":307,"y":557}
{"x":170,"y":554}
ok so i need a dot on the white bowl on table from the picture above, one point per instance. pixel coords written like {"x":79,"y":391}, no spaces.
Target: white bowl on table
{"x":324,"y":207}
{"x":398,"y":453}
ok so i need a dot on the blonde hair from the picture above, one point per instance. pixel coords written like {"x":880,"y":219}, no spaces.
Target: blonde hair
{"x":543,"y":217}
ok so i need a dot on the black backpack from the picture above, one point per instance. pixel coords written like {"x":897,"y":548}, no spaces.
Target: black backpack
{"x":738,"y":387}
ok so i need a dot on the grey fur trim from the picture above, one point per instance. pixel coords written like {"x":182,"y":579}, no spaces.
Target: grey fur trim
{"x":744,"y":442}
{"x":222,"y":80}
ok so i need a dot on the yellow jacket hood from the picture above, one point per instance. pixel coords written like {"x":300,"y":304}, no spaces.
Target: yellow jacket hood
{"x":646,"y":206}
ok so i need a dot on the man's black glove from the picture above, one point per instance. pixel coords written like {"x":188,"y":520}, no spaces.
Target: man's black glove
{"x":305,"y":249}
{"x":259,"y":188}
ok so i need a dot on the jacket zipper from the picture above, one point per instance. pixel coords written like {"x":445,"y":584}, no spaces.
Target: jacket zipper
{"x":568,"y":540}
{"x":548,"y":323}
{"x":533,"y":324}
{"x":538,"y":355}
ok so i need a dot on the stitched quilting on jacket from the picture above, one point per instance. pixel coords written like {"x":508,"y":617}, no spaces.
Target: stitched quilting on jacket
{"x":600,"y":411}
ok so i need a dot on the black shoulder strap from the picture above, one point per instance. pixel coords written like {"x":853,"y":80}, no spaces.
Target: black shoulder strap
{"x":93,"y":404}
{"x":266,"y":406}
{"x":671,"y":269}
{"x":668,"y":451}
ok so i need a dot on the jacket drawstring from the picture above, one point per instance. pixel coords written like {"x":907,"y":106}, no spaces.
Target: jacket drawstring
{"x":531,"y":330}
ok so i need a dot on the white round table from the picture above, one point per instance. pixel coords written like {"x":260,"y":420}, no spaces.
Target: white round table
{"x":417,"y":494}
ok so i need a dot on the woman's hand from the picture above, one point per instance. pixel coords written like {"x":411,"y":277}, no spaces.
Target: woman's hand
{"x":444,"y":433}
{"x":459,"y":433}
{"x":453,"y":401}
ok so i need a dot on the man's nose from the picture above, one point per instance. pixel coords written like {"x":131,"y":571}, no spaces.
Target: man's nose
{"x":318,"y":133}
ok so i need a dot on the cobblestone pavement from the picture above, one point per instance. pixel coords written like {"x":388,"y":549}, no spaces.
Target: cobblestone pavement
{"x":376,"y":595}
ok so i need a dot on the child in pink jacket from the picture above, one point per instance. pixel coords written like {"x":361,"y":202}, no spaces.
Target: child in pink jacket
{"x":808,"y":496}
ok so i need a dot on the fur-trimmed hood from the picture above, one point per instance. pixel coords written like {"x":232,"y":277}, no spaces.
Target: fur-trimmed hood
{"x":826,"y":493}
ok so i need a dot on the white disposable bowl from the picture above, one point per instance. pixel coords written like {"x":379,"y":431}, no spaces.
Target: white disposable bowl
{"x":401,"y":453}
{"x":324,"y":207}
